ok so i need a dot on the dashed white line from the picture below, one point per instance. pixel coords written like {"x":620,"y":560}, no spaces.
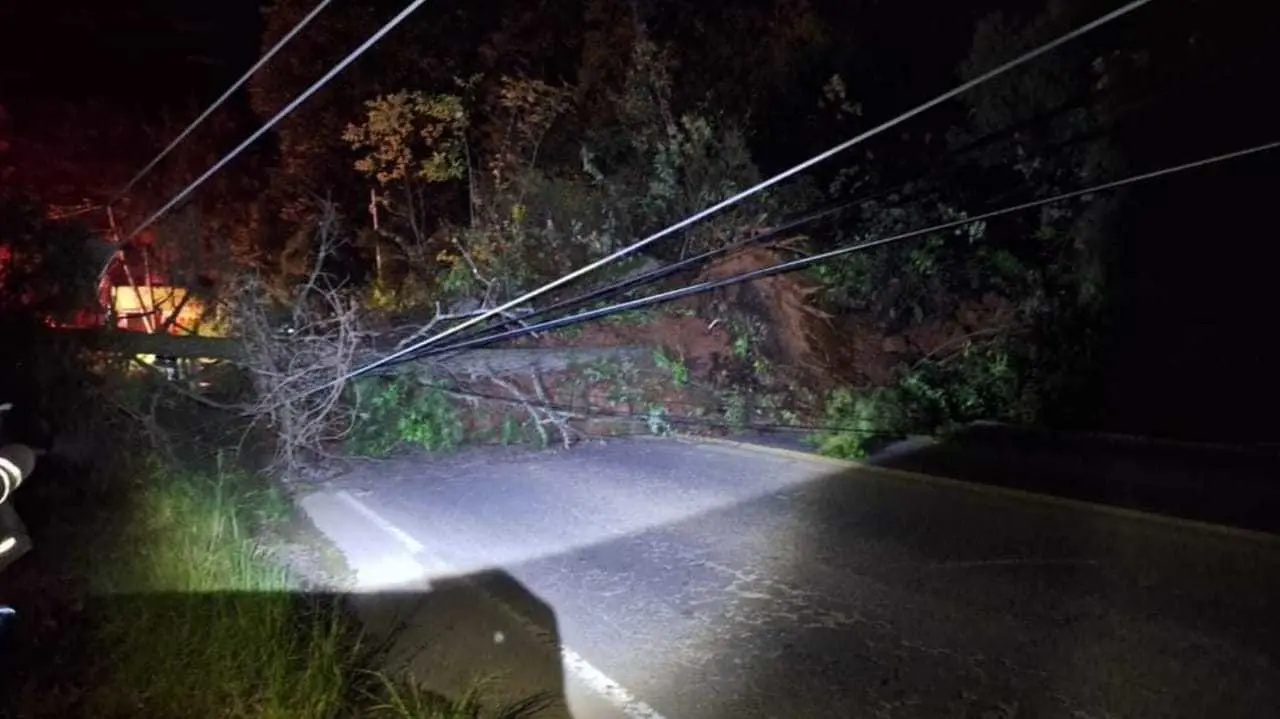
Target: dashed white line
{"x":574,"y":664}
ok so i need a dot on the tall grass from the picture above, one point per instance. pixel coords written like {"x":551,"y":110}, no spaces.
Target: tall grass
{"x":195,"y":617}
{"x":197,"y":622}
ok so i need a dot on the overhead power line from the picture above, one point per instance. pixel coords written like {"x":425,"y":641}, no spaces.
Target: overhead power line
{"x":938,"y":172}
{"x":302,"y":97}
{"x":218,"y":103}
{"x":658,"y":273}
{"x":802,"y":263}
{"x":698,"y":217}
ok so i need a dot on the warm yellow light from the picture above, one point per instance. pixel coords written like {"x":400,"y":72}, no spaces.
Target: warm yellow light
{"x":160,"y":301}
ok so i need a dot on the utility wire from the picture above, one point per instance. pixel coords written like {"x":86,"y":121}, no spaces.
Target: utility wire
{"x":695,"y":218}
{"x":793,"y":265}
{"x":218,"y":103}
{"x":658,"y":273}
{"x":829,"y":209}
{"x":939,"y":173}
{"x":315,"y":87}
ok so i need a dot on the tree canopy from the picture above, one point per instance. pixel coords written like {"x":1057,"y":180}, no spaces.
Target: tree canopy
{"x":481,"y":149}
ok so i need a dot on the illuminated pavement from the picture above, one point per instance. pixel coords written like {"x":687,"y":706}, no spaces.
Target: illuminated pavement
{"x":693,"y":581}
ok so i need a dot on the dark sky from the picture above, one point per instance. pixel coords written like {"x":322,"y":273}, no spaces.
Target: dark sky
{"x":143,"y":50}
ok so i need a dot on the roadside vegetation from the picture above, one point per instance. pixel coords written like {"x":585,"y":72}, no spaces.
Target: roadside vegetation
{"x":161,"y":584}
{"x":186,"y":613}
{"x":199,"y":620}
{"x":415,"y":195}
{"x":528,"y":179}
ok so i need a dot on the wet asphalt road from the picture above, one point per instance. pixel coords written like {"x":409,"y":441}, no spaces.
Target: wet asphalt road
{"x":713,"y":581}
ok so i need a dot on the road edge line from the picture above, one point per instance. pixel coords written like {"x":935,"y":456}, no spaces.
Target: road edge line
{"x":573,"y":663}
{"x":991,"y":489}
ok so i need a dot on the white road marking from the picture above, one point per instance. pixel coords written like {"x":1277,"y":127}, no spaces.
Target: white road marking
{"x":401,"y":536}
{"x":600,"y":683}
{"x":574,"y":664}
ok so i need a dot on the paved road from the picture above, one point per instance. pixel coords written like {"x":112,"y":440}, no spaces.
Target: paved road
{"x":710,"y":581}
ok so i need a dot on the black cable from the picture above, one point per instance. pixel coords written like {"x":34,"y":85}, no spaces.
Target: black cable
{"x":653,"y":275}
{"x":266,"y":127}
{"x":831,"y":208}
{"x":797,"y":264}
{"x":487,"y":315}
{"x":940,"y":172}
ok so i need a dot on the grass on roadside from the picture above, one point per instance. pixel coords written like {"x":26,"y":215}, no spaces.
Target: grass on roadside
{"x":191,"y":618}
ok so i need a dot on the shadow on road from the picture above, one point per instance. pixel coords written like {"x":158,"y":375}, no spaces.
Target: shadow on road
{"x":450,"y":636}
{"x":719,"y":581}
{"x":486,"y":626}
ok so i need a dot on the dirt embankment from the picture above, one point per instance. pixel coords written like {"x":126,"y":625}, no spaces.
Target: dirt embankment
{"x":757,"y":354}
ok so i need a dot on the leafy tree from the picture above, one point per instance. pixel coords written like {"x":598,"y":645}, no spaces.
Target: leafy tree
{"x":547,"y":187}
{"x":738,"y":56}
{"x":1040,"y":362}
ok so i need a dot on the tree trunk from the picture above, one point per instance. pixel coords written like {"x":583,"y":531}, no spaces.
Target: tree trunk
{"x":136,"y":343}
{"x":481,"y":362}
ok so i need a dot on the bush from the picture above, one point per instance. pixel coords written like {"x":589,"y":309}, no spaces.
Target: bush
{"x":402,"y":412}
{"x":857,"y":421}
{"x":980,"y":382}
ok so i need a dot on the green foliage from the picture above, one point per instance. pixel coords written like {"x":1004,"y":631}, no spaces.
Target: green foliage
{"x":212,"y":629}
{"x":664,"y":165}
{"x":409,"y":294}
{"x":979,"y":382}
{"x":910,"y":279}
{"x":855,"y":421}
{"x":657,"y":420}
{"x":524,"y":224}
{"x":511,"y":431}
{"x":695,"y":165}
{"x":747,"y":334}
{"x":411,"y":136}
{"x":403,"y":412}
{"x":405,"y":700}
{"x":986,"y":381}
{"x":521,"y":113}
{"x":676,"y":367}
{"x":735,"y":410}
{"x":1047,"y":268}
{"x":530,"y":220}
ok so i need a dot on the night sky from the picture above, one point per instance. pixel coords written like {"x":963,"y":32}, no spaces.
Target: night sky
{"x":147,"y":50}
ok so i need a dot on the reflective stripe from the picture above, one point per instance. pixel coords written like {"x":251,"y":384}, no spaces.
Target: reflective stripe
{"x":10,"y":478}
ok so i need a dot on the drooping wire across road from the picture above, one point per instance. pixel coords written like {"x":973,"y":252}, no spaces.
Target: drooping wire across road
{"x":806,"y":262}
{"x":417,"y":347}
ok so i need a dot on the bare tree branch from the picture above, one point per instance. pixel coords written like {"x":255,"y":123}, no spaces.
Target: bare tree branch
{"x":298,"y":376}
